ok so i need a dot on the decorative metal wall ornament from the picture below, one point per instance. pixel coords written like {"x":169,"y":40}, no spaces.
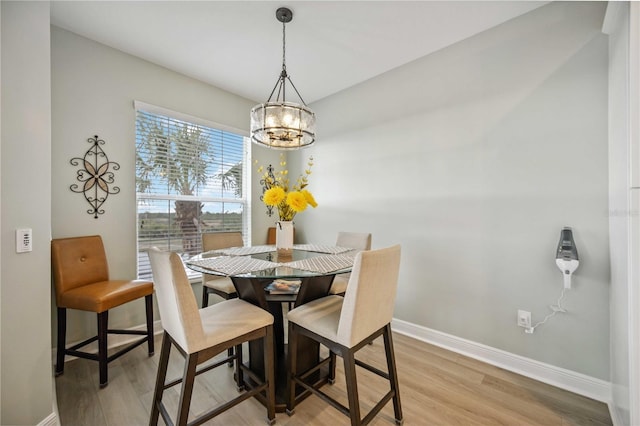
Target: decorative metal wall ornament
{"x":264,"y":188}
{"x":95,"y":176}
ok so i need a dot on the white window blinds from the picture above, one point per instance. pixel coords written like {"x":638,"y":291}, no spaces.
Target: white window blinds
{"x":190,"y":179}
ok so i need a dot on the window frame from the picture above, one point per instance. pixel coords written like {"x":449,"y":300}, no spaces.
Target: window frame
{"x":245,"y":200}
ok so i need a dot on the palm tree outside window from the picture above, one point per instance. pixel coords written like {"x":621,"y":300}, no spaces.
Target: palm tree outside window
{"x":190,"y":179}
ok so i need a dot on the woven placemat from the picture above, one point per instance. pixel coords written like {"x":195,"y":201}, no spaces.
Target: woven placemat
{"x":320,"y":248}
{"x":246,"y":251}
{"x":323,"y":264}
{"x":233,"y":265}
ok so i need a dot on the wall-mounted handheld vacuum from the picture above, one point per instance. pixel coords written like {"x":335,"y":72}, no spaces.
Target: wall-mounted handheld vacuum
{"x":567,"y":255}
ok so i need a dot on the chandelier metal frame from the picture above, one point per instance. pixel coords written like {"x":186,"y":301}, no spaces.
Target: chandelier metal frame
{"x":278,"y":123}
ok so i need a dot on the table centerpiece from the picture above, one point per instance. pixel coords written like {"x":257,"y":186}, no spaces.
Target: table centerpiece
{"x":278,"y":193}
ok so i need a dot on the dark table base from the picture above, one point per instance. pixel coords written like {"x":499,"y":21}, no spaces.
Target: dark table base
{"x":252,"y":291}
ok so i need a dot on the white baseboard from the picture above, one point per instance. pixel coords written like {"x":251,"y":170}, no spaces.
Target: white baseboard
{"x":114,"y":341}
{"x":572,"y":381}
{"x":615,"y":416}
{"x":50,"y":420}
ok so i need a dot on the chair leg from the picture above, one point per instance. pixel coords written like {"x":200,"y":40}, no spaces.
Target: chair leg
{"x":148,"y":302}
{"x":393,"y":374}
{"x":230,"y":350}
{"x":162,"y":374}
{"x":332,"y":368}
{"x":205,"y":296}
{"x":270,"y":375}
{"x":62,"y":332}
{"x":187,"y":389}
{"x":291,"y":369}
{"x":239,"y":371}
{"x":103,"y":320}
{"x":352,"y":387}
{"x":230,"y":353}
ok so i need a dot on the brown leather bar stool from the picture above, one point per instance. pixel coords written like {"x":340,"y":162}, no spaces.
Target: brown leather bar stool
{"x":271,"y":235}
{"x":81,"y":278}
{"x":345,"y":325}
{"x":200,"y":334}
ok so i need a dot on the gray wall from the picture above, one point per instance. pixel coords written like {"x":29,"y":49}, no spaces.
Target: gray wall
{"x":622,"y":23}
{"x":619,"y":201}
{"x":474,"y":158}
{"x":93,"y":90}
{"x":456,"y":156}
{"x":25,"y":172}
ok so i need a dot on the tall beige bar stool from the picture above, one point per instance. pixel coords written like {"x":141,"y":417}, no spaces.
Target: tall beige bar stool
{"x":356,"y":240}
{"x":222,"y":286}
{"x":345,"y":325}
{"x":199,"y":335}
{"x":214,"y":284}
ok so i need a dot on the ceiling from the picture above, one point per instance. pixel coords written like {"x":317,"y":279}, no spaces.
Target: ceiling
{"x":237,"y":45}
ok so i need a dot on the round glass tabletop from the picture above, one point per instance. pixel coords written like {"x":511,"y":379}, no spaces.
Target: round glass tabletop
{"x":265,"y":262}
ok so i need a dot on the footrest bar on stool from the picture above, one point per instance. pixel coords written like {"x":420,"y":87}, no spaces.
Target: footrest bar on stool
{"x":337,"y":405}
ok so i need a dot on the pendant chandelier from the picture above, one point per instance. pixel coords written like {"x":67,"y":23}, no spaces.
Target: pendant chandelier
{"x":278,"y":123}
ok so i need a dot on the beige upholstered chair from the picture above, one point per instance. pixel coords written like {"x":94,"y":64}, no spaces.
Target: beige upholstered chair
{"x":81,"y":278}
{"x":222,"y":286}
{"x":201,"y":334}
{"x":346,"y":324}
{"x":356,"y":240}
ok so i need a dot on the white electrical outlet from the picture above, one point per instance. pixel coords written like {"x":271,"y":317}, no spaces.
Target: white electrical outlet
{"x":23,"y":240}
{"x":524,"y":318}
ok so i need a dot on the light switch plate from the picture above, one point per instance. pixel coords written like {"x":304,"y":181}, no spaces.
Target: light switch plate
{"x":23,"y":240}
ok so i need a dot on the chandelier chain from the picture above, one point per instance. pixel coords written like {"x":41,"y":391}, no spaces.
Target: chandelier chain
{"x":280,"y":124}
{"x":284,"y":42}
{"x":283,"y":86}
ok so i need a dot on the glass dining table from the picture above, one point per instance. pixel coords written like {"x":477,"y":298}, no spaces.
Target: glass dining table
{"x":254,"y":270}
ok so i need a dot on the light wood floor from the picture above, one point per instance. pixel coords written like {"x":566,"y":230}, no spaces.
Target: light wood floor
{"x":437,"y":387}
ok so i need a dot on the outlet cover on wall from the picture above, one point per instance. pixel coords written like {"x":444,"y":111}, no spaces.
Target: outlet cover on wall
{"x":524,"y":318}
{"x":23,"y":240}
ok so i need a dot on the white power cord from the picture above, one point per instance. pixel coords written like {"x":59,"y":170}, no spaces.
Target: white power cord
{"x":554,"y":308}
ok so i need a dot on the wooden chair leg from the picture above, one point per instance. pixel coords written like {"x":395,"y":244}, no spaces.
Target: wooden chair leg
{"x":162,"y":374}
{"x":239,"y":372}
{"x":230,"y":353}
{"x":205,"y":296}
{"x":332,"y":368}
{"x":148,"y":302}
{"x":187,"y":388}
{"x":292,"y":368}
{"x":393,"y":374}
{"x":352,"y":387}
{"x":62,"y":333}
{"x":269,"y":378}
{"x":103,"y":321}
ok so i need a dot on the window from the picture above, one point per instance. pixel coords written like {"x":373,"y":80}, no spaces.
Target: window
{"x":190,"y":179}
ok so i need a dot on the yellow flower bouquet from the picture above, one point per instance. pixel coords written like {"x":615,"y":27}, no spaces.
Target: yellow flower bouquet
{"x":279,"y":193}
